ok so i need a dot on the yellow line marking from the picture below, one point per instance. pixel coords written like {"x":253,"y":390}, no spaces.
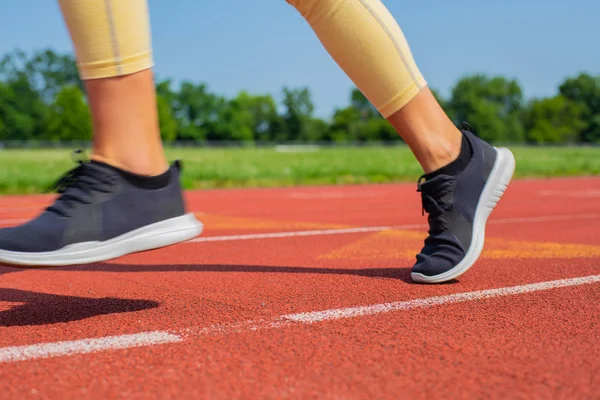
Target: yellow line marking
{"x":398,"y":244}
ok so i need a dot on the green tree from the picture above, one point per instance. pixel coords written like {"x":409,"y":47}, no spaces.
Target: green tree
{"x":492,"y":105}
{"x":443,"y":102}
{"x":267,"y":121}
{"x":46,"y":71}
{"x":359,"y":102}
{"x":31,"y":85}
{"x":41,"y":96}
{"x":167,"y":122}
{"x":346,"y":125}
{"x":22,"y":112}
{"x":379,"y":129}
{"x":164,"y":90}
{"x":197,"y":111}
{"x":584,"y":89}
{"x":69,"y":118}
{"x":236,"y":121}
{"x":360,"y":122}
{"x":554,"y":120}
{"x":298,"y":113}
{"x":255,"y":117}
{"x":318,"y":130}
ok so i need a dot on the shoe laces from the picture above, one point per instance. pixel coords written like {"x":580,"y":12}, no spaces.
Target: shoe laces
{"x":434,"y":200}
{"x":78,"y":185}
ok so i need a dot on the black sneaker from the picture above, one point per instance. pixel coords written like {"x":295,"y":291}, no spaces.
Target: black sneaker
{"x":458,"y":208}
{"x":101,"y":214}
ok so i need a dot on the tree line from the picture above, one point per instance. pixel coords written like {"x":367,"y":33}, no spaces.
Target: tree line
{"x":42,"y":98}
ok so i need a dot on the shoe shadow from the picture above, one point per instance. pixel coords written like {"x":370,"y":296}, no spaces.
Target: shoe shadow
{"x":400,"y":273}
{"x":42,"y":308}
{"x":5,"y":269}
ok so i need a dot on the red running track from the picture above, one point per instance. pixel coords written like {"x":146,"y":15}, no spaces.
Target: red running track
{"x":325,"y":311}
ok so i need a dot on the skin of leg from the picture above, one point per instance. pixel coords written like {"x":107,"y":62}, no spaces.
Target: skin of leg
{"x":427,"y":130}
{"x":125,"y":122}
{"x":367,"y":43}
{"x":113,"y":47}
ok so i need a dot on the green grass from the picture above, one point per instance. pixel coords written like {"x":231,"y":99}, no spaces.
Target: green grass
{"x":31,"y":171}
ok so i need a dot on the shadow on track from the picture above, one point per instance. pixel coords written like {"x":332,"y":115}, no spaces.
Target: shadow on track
{"x":33,"y":308}
{"x":401,"y":273}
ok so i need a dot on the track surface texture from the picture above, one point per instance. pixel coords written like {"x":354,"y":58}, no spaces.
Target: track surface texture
{"x":306,"y":293}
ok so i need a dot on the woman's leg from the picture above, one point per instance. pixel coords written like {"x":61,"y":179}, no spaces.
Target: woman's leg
{"x":464,"y":177}
{"x":367,"y":43}
{"x":114,"y":55}
{"x":127,"y":198}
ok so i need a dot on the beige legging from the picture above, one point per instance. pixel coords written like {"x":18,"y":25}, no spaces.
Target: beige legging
{"x":112,"y":38}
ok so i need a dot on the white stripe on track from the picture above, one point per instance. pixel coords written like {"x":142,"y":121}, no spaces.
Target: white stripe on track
{"x":317,"y":232}
{"x":318,"y":316}
{"x":85,"y":346}
{"x":543,"y":218}
{"x":67,"y":348}
{"x":341,"y":231}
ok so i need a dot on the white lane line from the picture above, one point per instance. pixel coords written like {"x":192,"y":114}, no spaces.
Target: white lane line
{"x":544,"y":218}
{"x":340,"y":231}
{"x":570,"y":193}
{"x":318,"y":316}
{"x":84,"y":346}
{"x":317,"y":232}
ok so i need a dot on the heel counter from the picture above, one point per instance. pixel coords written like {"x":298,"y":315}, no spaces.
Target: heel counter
{"x":487,"y":151}
{"x":489,"y":157}
{"x":180,"y":204}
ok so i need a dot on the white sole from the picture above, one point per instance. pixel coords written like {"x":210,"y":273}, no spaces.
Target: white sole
{"x":500,"y":176}
{"x":160,"y":234}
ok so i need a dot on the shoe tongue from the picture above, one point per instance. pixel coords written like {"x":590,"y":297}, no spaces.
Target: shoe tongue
{"x":438,"y":181}
{"x":80,"y":191}
{"x":440,"y":188}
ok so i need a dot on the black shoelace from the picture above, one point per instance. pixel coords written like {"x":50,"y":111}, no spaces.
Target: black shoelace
{"x":433,"y":200}
{"x":78,"y":186}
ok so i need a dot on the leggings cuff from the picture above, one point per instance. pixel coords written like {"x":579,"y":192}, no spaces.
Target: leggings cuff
{"x":399,"y":101}
{"x":110,"y":68}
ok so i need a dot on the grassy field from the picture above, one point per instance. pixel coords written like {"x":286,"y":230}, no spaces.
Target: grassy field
{"x":31,"y":171}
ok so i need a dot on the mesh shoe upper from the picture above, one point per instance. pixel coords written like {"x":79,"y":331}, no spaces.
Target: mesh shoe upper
{"x":451,"y":202}
{"x":96,"y":203}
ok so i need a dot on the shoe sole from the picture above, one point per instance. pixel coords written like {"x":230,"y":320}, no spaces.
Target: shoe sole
{"x":499,"y":179}
{"x":154,"y":236}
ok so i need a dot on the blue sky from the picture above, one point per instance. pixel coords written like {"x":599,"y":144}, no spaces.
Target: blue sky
{"x":262,"y":45}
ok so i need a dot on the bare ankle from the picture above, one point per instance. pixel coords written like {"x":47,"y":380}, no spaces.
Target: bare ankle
{"x":428,"y":131}
{"x":439,"y":154}
{"x":146,"y":166}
